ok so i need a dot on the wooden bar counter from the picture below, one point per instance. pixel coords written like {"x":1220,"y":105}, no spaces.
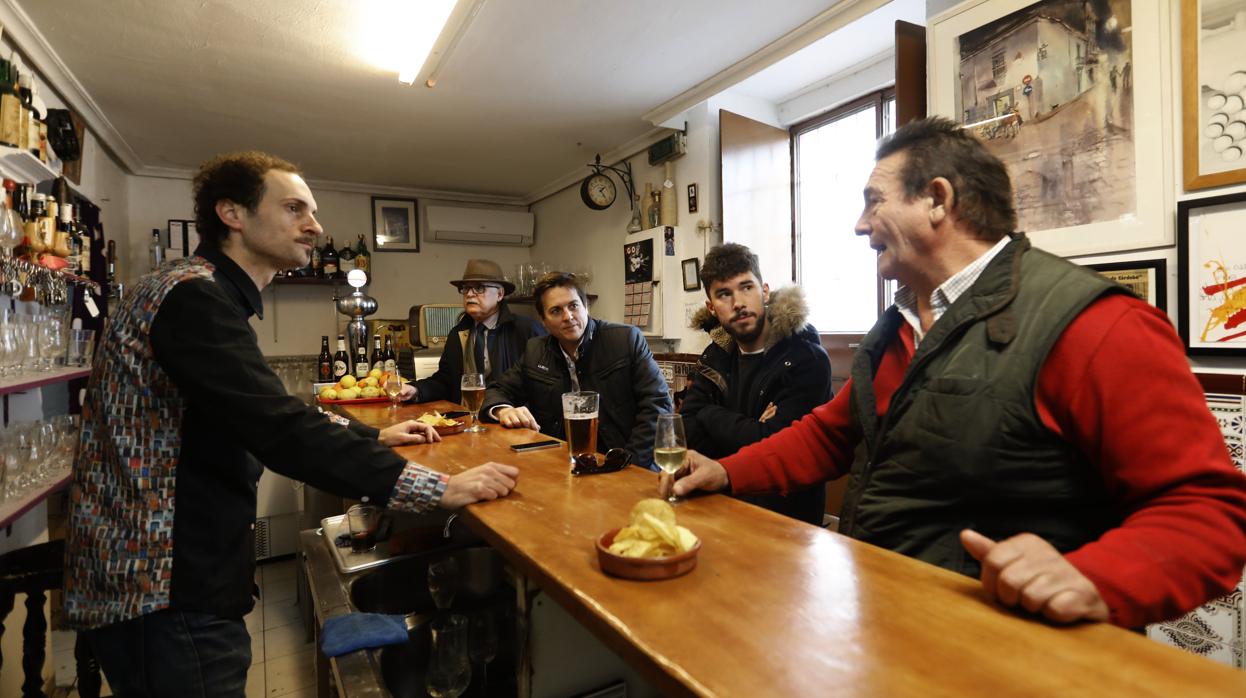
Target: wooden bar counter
{"x":780,"y":608}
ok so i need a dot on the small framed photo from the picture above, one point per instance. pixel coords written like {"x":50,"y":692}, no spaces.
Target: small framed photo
{"x":692,"y":274}
{"x":1147,"y":278}
{"x":1211,"y":275}
{"x":1213,"y":75}
{"x":692,"y":198}
{"x":395,"y":226}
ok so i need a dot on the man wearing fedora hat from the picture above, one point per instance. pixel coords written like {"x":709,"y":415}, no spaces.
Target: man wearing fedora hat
{"x":487,"y":339}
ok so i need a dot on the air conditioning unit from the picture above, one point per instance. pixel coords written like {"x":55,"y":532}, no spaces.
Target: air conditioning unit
{"x":479,"y":226}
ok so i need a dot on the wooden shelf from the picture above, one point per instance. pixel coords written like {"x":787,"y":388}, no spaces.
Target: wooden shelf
{"x":307,"y":281}
{"x":30,"y":381}
{"x":12,"y":510}
{"x":24,"y":167}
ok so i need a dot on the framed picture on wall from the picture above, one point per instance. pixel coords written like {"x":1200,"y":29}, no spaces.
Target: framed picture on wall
{"x":395,"y":225}
{"x":1068,"y":95}
{"x":1213,"y":80}
{"x":692,"y":274}
{"x":1211,"y":274}
{"x":1147,"y":278}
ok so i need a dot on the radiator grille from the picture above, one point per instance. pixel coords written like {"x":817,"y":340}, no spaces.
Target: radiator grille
{"x":262,"y":547}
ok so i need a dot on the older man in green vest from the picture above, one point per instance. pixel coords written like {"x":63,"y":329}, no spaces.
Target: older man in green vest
{"x":998,"y":406}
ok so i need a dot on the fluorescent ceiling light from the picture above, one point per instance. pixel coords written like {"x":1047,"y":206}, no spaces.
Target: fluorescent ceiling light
{"x":398,"y":35}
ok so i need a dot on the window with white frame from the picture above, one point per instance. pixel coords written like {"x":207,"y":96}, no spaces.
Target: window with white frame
{"x":833,"y":155}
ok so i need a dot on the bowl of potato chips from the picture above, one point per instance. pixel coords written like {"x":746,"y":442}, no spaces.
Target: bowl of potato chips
{"x":653,"y":546}
{"x":443,"y":424}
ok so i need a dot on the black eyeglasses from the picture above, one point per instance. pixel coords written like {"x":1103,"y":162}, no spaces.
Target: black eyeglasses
{"x":587,"y":463}
{"x":477,"y":289}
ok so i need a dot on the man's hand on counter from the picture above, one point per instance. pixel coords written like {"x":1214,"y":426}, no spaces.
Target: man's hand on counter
{"x":488,"y":481}
{"x":515,"y":417}
{"x":408,"y":392}
{"x":408,"y":433}
{"x":1027,"y":571}
{"x":701,"y":473}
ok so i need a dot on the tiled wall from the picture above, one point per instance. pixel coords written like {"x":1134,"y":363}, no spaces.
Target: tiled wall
{"x":1217,"y":629}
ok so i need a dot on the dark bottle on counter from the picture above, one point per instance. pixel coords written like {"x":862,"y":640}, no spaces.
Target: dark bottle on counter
{"x":328,"y":259}
{"x":377,"y":360}
{"x":361,"y":361}
{"x":388,"y":356}
{"x":341,"y":362}
{"x":324,"y":372}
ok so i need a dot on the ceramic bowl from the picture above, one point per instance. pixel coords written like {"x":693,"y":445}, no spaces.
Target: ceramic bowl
{"x":643,"y":568}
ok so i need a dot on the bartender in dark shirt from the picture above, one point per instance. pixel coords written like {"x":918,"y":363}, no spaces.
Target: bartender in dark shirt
{"x":182,"y":415}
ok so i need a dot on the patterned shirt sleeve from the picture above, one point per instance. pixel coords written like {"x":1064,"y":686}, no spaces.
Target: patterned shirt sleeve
{"x":418,"y":489}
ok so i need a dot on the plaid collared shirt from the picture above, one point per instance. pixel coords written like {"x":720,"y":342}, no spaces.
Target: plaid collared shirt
{"x":947,"y":292}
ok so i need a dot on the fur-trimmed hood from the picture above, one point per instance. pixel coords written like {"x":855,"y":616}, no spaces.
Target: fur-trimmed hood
{"x":786,"y":315}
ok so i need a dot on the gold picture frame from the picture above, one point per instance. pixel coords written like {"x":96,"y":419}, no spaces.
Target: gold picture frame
{"x":1213,"y":131}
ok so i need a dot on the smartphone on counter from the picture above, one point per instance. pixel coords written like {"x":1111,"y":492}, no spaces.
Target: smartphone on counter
{"x":535,"y":445}
{"x":456,"y":414}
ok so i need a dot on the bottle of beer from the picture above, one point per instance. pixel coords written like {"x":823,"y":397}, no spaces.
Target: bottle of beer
{"x":341,"y":361}
{"x":345,"y":259}
{"x":377,"y":360}
{"x":317,"y":269}
{"x":324,"y":373}
{"x":361,"y":361}
{"x":328,"y":259}
{"x":388,"y":356}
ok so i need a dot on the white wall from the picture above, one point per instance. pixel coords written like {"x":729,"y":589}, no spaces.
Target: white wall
{"x":570,"y":235}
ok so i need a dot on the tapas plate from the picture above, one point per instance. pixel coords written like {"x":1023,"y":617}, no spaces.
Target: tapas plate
{"x":644,"y":568}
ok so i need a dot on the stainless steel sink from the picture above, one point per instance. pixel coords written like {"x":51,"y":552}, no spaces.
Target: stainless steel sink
{"x":402,"y":585}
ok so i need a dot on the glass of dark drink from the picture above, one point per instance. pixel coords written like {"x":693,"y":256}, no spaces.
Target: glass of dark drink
{"x":472,"y":388}
{"x":363,"y":520}
{"x":579,"y":416}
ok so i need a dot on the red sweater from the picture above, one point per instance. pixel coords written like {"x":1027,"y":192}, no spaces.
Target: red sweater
{"x":1116,"y":385}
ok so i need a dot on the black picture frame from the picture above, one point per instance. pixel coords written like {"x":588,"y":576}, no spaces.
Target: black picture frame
{"x":1194,"y":303}
{"x":691,"y":268}
{"x":1125,"y":273}
{"x":395,"y":225}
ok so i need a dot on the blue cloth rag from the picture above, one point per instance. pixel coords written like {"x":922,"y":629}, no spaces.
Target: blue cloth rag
{"x":347,"y":633}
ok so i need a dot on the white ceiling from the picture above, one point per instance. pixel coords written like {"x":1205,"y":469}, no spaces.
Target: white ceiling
{"x":532,"y":91}
{"x":845,"y":48}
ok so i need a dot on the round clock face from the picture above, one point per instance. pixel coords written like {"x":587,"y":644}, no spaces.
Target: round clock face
{"x":598,"y":191}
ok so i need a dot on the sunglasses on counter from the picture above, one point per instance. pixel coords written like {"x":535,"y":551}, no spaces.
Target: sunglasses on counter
{"x":594,"y":464}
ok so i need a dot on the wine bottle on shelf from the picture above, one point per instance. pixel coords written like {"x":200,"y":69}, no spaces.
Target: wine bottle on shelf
{"x":341,"y":362}
{"x":361,"y":361}
{"x":345,"y":259}
{"x":324,"y":372}
{"x":23,"y":100}
{"x":362,"y":259}
{"x":377,"y":360}
{"x":66,"y":239}
{"x":34,"y":226}
{"x":317,"y":265}
{"x":328,"y":259}
{"x":111,"y":258}
{"x":155,"y":251}
{"x":51,"y":228}
{"x":391,"y":360}
{"x":10,"y":106}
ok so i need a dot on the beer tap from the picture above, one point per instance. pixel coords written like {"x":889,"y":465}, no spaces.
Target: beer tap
{"x":357,"y":306}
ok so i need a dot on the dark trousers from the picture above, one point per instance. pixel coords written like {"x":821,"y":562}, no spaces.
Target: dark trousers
{"x":174,"y":653}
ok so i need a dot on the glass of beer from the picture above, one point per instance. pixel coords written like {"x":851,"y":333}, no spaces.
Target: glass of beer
{"x":473,"y":389}
{"x":670,"y":450}
{"x":579,"y":415}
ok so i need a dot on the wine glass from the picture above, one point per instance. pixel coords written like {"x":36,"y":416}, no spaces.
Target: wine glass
{"x":670,"y":450}
{"x":443,"y":581}
{"x":482,"y":645}
{"x":449,"y":671}
{"x":393,"y":388}
{"x":473,"y":389}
